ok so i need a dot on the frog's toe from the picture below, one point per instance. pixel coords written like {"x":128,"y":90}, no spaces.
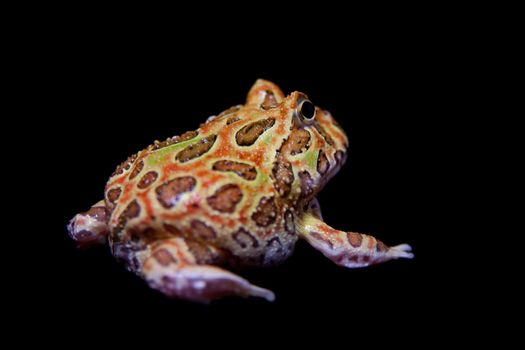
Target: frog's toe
{"x":401,"y":251}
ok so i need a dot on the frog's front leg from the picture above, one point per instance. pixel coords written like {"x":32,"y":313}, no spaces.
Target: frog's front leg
{"x":348,"y":249}
{"x":184,"y":269}
{"x":91,"y":226}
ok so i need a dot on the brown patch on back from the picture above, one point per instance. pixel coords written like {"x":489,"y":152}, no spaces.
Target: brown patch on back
{"x":244,"y":170}
{"x":266,"y":212}
{"x":355,"y":239}
{"x":282,"y":174}
{"x":322,"y":163}
{"x":164,"y":257}
{"x":113,"y":194}
{"x":147,"y":179}
{"x":247,"y":135}
{"x":269,"y":100}
{"x":136,"y":170}
{"x":225,"y":198}
{"x":169,"y":193}
{"x":245,"y":239}
{"x":197,"y":149}
{"x":202,"y":231}
{"x":132,"y":210}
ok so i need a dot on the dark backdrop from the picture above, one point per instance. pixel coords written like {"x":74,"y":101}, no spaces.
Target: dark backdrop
{"x":108,"y":96}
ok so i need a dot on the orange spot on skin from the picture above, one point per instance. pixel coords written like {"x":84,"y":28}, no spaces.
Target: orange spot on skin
{"x":332,"y":234}
{"x":371,"y":242}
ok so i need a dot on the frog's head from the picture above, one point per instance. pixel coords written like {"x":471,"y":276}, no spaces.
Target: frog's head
{"x":313,"y":146}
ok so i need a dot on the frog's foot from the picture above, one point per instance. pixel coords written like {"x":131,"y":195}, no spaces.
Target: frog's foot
{"x":90,"y":227}
{"x":349,"y":249}
{"x":178,"y":269}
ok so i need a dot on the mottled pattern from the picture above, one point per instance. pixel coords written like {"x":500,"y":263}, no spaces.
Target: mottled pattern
{"x":169,"y":193}
{"x":251,"y":132}
{"x":298,"y":142}
{"x":136,"y":170}
{"x":202,"y":253}
{"x":113,"y":194}
{"x":225,"y":198}
{"x":132,"y":210}
{"x":233,"y":193}
{"x":244,"y":170}
{"x":197,"y":149}
{"x":245,"y":239}
{"x":173,"y":140}
{"x":266,"y":212}
{"x":283,"y":177}
{"x":202,"y":231}
{"x":147,"y":179}
{"x":307,"y":184}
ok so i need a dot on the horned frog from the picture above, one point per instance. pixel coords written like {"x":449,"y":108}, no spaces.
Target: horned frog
{"x":237,"y":192}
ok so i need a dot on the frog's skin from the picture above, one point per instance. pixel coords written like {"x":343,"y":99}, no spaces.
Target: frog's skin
{"x":238,"y":192}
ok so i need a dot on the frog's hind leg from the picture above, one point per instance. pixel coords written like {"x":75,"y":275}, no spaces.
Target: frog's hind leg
{"x":348,"y":249}
{"x":91,"y":226}
{"x":184,"y":269}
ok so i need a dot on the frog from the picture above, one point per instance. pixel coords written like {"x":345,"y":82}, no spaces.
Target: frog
{"x":188,"y":214}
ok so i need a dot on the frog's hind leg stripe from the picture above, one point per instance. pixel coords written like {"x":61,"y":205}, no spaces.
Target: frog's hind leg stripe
{"x":173,"y":267}
{"x":91,"y":226}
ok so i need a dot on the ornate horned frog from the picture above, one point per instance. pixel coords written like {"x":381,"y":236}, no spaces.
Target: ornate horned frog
{"x":237,"y":192}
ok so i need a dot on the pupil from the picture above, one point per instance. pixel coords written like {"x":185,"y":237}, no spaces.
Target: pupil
{"x":308,"y":109}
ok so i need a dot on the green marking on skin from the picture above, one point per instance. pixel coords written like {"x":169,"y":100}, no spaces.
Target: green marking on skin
{"x":268,"y":139}
{"x":310,"y":159}
{"x":261,"y":178}
{"x":157,"y":156}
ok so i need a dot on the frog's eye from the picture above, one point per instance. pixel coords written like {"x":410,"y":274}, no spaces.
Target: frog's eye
{"x":307,"y":110}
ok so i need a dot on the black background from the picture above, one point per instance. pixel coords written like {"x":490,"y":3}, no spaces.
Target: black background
{"x":107,"y":94}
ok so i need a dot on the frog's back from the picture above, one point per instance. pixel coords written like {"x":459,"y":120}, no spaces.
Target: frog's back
{"x":211,"y":186}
